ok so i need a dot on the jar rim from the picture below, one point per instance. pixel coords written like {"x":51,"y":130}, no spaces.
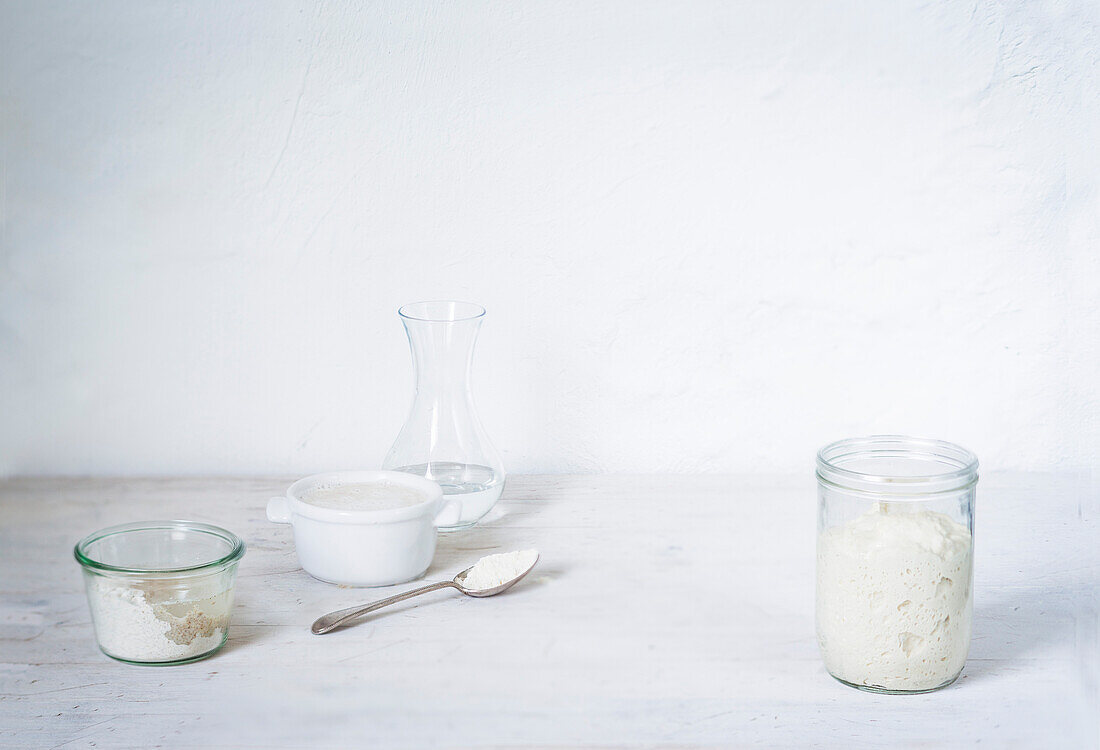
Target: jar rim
{"x":235,"y":553}
{"x":951,"y":467}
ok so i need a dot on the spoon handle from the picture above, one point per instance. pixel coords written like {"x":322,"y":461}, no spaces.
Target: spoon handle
{"x":333,"y":620}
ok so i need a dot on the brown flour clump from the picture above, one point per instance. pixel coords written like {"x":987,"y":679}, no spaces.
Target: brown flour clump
{"x":195,"y":624}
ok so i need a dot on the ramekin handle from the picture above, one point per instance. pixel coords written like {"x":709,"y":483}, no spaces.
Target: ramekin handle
{"x":449,"y":514}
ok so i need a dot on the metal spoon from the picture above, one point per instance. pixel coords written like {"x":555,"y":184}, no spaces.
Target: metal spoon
{"x":333,"y":620}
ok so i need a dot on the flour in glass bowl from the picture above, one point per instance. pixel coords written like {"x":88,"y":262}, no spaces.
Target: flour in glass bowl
{"x":151,"y":621}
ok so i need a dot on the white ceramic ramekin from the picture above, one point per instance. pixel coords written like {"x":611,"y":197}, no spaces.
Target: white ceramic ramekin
{"x":365,"y":547}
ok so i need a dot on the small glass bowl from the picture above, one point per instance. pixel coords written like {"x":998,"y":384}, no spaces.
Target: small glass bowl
{"x":160,"y":592}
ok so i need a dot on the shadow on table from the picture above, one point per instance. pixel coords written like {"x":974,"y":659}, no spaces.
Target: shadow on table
{"x":1017,"y":623}
{"x":242,"y":635}
{"x":503,"y":514}
{"x":503,"y":529}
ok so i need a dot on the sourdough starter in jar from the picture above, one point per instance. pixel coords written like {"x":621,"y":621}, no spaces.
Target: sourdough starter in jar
{"x":893,"y":598}
{"x":895,"y":540}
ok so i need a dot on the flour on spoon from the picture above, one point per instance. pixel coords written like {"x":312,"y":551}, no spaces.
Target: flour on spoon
{"x":496,"y":570}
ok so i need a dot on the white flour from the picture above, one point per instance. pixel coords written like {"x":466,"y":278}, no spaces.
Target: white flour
{"x":893,"y":599}
{"x":144,"y":621}
{"x":495,"y":570}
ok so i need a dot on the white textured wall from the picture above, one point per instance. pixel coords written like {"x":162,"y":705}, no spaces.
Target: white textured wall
{"x":710,"y":236}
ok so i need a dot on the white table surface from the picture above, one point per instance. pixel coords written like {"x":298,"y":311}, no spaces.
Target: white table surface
{"x":666,"y":611}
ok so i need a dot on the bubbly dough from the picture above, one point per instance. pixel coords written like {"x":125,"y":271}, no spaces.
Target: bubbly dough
{"x":363,"y":496}
{"x":893,"y":598}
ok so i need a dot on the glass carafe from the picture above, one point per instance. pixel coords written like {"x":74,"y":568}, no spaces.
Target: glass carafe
{"x":443,"y":439}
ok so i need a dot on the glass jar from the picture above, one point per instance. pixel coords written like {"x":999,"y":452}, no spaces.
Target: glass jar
{"x":895,"y":541}
{"x":160,"y":592}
